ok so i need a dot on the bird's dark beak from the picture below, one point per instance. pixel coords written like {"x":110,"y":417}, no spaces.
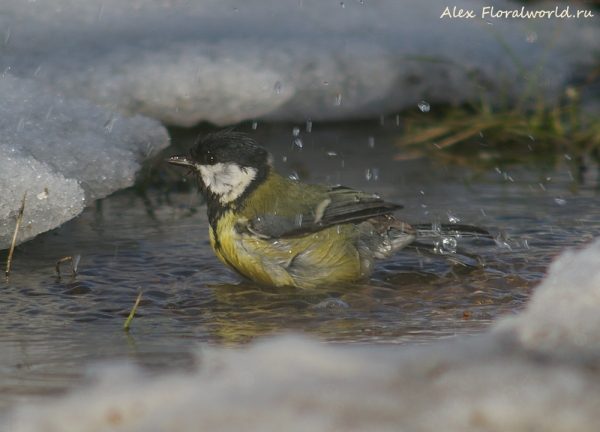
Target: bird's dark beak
{"x":181,"y":161}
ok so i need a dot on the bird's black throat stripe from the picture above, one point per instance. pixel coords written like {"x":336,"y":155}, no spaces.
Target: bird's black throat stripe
{"x":216,"y":209}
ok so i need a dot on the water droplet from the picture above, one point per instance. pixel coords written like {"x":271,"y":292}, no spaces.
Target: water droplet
{"x":489,"y":22}
{"x":294,"y":176}
{"x":449,"y":245}
{"x":76,"y":260}
{"x":424,"y":106}
{"x":452,"y":217}
{"x":298,"y":142}
{"x":481,"y":134}
{"x":542,"y":186}
{"x":371,"y":142}
{"x":337,"y":101}
{"x":368,"y":174}
{"x":331,"y":153}
{"x":531,"y":37}
{"x":110,"y":123}
{"x":560,"y":201}
{"x":356,"y":198}
{"x":5,"y":71}
{"x":284,"y":158}
{"x":498,"y":170}
{"x":338,"y":228}
{"x":567,"y":157}
{"x":375,"y":174}
{"x":376,"y":195}
{"x":502,"y":242}
{"x":308,"y":126}
{"x":277,"y":87}
{"x":254,"y":125}
{"x":296,"y":131}
{"x":299,"y":219}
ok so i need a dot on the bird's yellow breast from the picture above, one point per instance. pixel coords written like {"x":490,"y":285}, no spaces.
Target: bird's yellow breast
{"x":315,"y":259}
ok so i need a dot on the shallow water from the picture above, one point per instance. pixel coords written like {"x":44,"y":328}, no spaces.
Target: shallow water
{"x":54,"y":328}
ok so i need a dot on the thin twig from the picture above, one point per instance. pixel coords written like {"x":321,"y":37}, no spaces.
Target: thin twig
{"x":62,"y":260}
{"x":137,"y":302}
{"x":14,"y":240}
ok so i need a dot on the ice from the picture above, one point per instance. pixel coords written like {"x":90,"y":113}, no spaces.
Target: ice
{"x":184,"y":62}
{"x":65,"y":153}
{"x":534,"y":371}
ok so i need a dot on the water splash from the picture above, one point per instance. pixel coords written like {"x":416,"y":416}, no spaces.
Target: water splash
{"x":560,"y":200}
{"x":502,"y":241}
{"x":452,"y":217}
{"x":449,"y":245}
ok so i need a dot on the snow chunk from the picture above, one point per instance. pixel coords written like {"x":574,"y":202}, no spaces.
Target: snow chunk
{"x":65,"y":153}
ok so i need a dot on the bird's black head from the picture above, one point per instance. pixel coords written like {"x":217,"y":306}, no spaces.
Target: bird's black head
{"x":229,"y":146}
{"x":228,"y":165}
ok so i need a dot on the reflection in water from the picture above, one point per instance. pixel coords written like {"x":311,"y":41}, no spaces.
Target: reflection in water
{"x":51,"y":330}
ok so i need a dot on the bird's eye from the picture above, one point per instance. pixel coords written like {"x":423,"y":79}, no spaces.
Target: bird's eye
{"x":211,"y":159}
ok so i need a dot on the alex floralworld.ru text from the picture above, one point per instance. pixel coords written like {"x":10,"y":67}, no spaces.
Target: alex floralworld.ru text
{"x":491,"y":12}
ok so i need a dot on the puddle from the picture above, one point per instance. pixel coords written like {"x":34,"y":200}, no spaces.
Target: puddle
{"x":52,"y":330}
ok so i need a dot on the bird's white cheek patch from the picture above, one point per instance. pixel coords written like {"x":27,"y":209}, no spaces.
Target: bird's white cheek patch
{"x":227,"y":180}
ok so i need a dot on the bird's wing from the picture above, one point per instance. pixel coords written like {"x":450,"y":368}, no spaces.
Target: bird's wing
{"x":337,"y":205}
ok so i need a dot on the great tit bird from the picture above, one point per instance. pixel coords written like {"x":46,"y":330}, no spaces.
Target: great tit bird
{"x":277,"y":231}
